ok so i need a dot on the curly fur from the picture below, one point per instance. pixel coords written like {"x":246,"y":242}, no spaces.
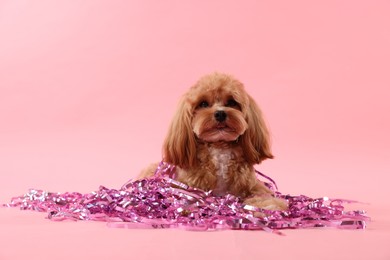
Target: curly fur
{"x":216,"y":137}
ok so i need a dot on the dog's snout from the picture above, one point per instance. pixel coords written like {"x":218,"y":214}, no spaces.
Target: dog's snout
{"x":220,"y":115}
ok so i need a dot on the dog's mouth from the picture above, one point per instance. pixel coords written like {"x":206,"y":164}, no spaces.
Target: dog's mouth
{"x":222,"y":126}
{"x":208,"y":129}
{"x":219,"y":132}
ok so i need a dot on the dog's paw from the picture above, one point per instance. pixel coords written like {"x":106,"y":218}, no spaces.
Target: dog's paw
{"x":267,"y":203}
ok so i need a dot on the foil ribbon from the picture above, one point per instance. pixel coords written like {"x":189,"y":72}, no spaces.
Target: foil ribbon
{"x":163,"y":202}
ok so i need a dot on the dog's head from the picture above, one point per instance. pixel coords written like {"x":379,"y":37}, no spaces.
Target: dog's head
{"x":216,"y":109}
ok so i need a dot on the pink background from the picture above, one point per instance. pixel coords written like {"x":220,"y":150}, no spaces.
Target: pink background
{"x":88,"y":88}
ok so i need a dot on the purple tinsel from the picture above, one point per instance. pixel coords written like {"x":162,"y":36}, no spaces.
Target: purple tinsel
{"x":162,"y":202}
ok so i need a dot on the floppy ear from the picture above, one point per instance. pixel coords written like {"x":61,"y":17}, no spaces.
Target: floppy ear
{"x":256,"y":139}
{"x":180,"y":145}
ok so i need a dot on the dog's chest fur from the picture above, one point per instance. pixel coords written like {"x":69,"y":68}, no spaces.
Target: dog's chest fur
{"x":221,"y":168}
{"x":221,"y":159}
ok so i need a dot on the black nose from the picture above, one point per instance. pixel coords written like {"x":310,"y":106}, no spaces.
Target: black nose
{"x":220,"y":116}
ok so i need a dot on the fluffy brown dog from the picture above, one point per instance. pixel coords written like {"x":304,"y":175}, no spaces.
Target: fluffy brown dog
{"x":216,"y":137}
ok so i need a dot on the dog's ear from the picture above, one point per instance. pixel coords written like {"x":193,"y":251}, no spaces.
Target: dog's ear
{"x":256,"y":139}
{"x":180,"y":145}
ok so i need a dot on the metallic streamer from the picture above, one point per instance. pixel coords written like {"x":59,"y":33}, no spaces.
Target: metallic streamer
{"x":156,"y":203}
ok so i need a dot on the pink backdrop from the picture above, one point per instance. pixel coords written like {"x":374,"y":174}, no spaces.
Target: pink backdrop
{"x":87,"y":90}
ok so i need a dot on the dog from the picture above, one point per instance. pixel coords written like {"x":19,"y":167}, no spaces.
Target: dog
{"x":216,"y":137}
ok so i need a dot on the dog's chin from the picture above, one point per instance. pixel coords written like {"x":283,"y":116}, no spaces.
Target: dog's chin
{"x":219,"y":134}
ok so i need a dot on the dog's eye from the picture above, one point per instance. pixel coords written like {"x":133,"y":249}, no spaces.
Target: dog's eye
{"x":231,"y":103}
{"x":203,"y":104}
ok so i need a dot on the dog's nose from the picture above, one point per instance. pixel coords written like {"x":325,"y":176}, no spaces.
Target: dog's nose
{"x":220,"y":115}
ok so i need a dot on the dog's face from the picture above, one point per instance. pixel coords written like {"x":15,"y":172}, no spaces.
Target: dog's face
{"x":219,"y":106}
{"x":216,"y":109}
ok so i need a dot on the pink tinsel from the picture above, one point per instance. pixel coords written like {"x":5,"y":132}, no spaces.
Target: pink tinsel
{"x":162,"y":202}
